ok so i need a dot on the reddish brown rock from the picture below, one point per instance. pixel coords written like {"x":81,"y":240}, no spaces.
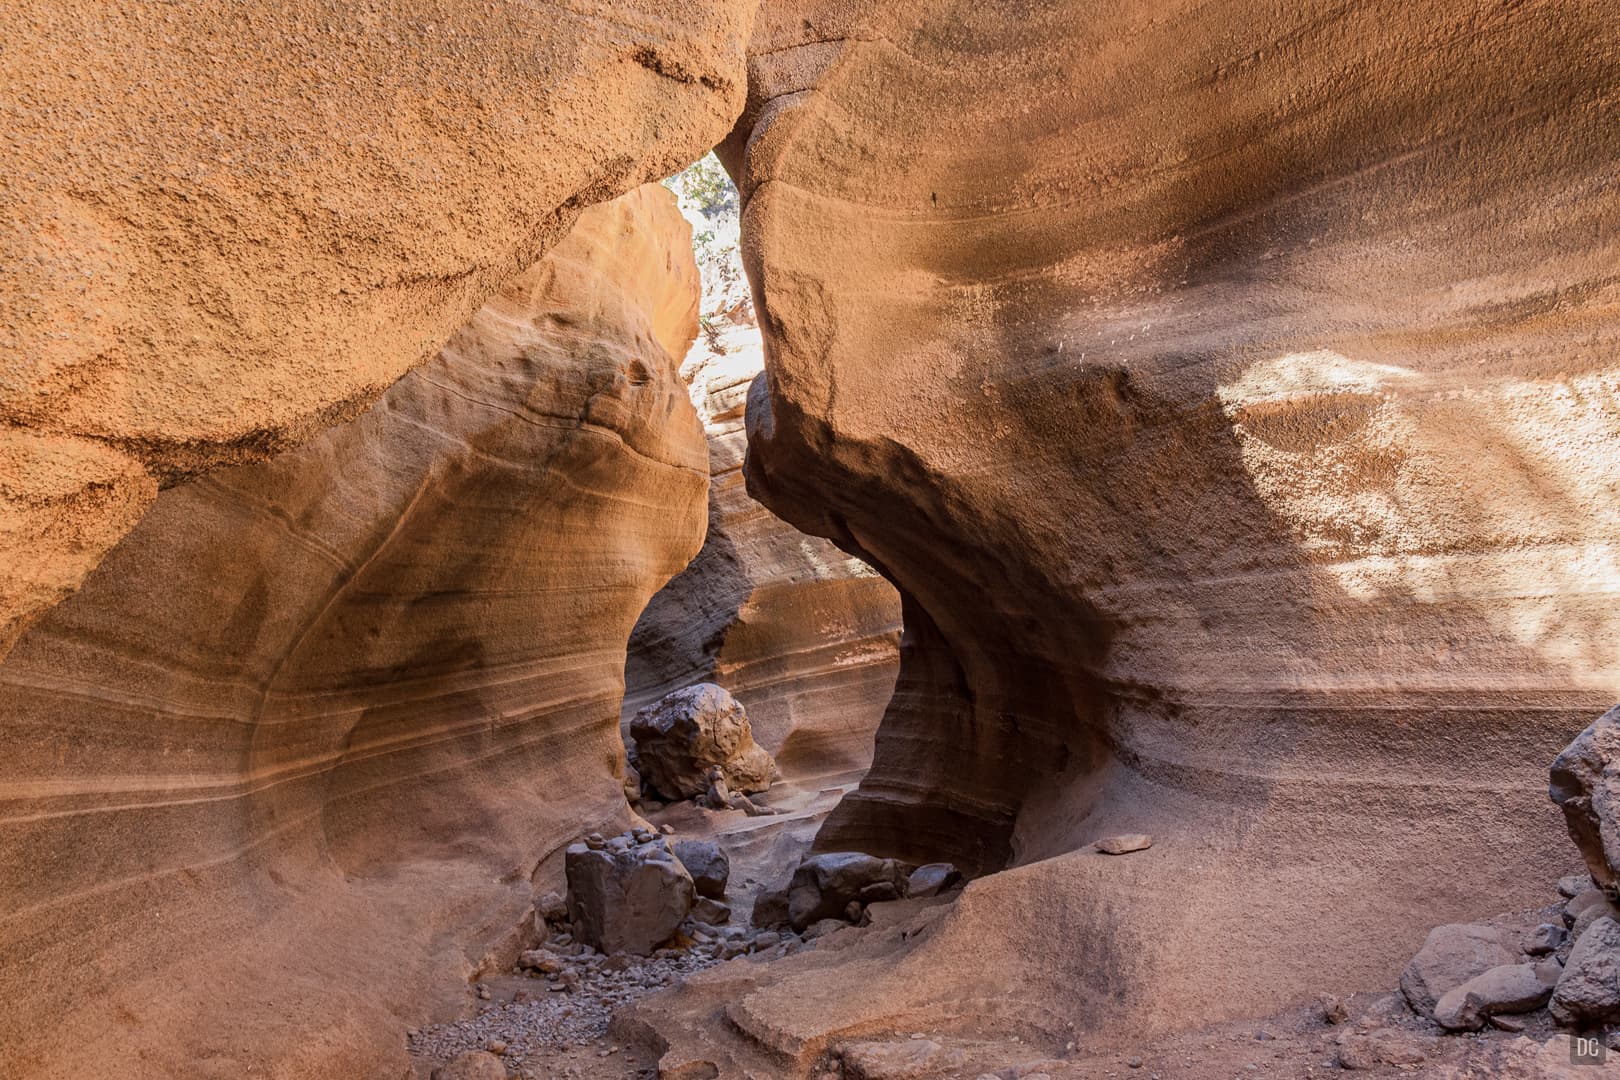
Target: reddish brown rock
{"x":286,"y":765}
{"x":226,"y":227}
{"x":1229,"y":391}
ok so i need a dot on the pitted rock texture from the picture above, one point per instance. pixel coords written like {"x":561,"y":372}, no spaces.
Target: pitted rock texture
{"x":685,"y":734}
{"x":1586,"y":786}
{"x":1230,"y":391}
{"x":283,"y":769}
{"x":228,"y":226}
{"x":804,"y":635}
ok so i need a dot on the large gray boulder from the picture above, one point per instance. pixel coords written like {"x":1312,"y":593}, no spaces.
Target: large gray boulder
{"x":627,"y":896}
{"x":1589,"y":991}
{"x":683,"y":734}
{"x":708,"y":864}
{"x":1451,"y":955}
{"x":1585,"y":783}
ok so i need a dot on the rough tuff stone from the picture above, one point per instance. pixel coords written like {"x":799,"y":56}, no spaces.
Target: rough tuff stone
{"x":711,"y":911}
{"x":629,"y":900}
{"x":1589,"y":991}
{"x":824,"y":886}
{"x":913,"y":1059}
{"x":472,"y":1065}
{"x":1124,"y":844}
{"x":1586,"y":909}
{"x":1573,"y":885}
{"x":1511,"y":988}
{"x":1386,"y":1046}
{"x":932,"y":879}
{"x":1451,"y":955}
{"x":1543,"y":939}
{"x":707,"y":863}
{"x":685,"y":733}
{"x":1584,"y":781}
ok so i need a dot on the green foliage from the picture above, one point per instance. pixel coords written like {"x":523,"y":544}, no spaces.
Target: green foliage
{"x":704,"y":186}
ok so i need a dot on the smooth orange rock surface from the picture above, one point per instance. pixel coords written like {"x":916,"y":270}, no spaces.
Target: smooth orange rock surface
{"x":804,"y":635}
{"x":227,"y":226}
{"x":1231,"y":391}
{"x":281,"y":772}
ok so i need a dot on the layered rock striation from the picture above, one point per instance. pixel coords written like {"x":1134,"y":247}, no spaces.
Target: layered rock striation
{"x":1231,"y":393}
{"x":281,"y":772}
{"x":228,"y":226}
{"x":803,"y":634}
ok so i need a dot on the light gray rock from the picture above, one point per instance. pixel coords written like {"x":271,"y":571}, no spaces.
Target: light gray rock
{"x":1589,"y":991}
{"x":1451,"y":955}
{"x":1574,"y":884}
{"x":1124,"y":844}
{"x":1511,"y":988}
{"x":1586,"y":908}
{"x":628,"y":900}
{"x":1585,"y":783}
{"x":472,"y":1065}
{"x":683,"y":734}
{"x":933,"y":879}
{"x":708,"y":865}
{"x":1543,"y":939}
{"x":825,"y":885}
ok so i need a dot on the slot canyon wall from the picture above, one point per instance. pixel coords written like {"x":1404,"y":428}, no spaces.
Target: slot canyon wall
{"x":227,"y":226}
{"x":805,"y":636}
{"x":1230,"y":390}
{"x":278,"y":776}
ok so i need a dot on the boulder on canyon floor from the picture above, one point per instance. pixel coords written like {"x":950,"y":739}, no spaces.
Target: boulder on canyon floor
{"x":329,"y":710}
{"x":684,"y":734}
{"x":628,"y":895}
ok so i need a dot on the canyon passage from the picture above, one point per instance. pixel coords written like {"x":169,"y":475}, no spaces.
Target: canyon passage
{"x":755,"y":539}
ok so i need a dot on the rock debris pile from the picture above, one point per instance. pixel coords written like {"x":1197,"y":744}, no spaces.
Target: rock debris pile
{"x":1468,"y":975}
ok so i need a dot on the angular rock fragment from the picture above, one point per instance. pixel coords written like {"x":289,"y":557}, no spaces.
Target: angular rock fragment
{"x":1587,"y":908}
{"x":707,"y":863}
{"x":1124,"y":844}
{"x":1451,"y":955}
{"x":824,"y":886}
{"x":1543,"y":939}
{"x":627,"y":897}
{"x":1510,"y":988}
{"x":932,"y":879}
{"x":711,"y":911}
{"x":1585,"y":783}
{"x":685,"y":733}
{"x":1589,"y":991}
{"x":1380,"y":1048}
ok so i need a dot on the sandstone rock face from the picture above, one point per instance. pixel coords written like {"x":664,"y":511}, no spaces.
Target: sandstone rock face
{"x":227,"y":227}
{"x":1229,"y":390}
{"x":804,"y":635}
{"x":1586,"y":786}
{"x":627,"y":897}
{"x":684,"y":734}
{"x":291,"y":756}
